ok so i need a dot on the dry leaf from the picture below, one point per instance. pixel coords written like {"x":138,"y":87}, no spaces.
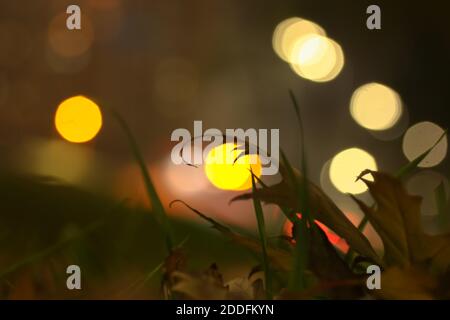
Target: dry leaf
{"x":323,"y":209}
{"x":396,"y":217}
{"x":416,"y":263}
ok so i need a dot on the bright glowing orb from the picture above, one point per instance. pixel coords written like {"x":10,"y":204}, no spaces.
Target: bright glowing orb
{"x":289,"y":32}
{"x":224,"y":174}
{"x":346,"y":166}
{"x":78,"y":119}
{"x":375,"y":106}
{"x":317,"y":58}
{"x":422,"y":136}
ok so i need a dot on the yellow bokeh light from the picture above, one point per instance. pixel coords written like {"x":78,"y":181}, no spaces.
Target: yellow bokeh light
{"x":422,"y":136}
{"x":224,"y":174}
{"x":304,"y":45}
{"x":289,"y":32}
{"x":375,"y":106}
{"x":346,"y":166}
{"x":78,"y":119}
{"x":317,"y":58}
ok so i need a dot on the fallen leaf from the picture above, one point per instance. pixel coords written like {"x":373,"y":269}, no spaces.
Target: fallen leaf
{"x":396,"y":217}
{"x":321,"y":206}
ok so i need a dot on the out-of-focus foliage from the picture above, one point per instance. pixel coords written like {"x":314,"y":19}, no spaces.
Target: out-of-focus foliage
{"x":46,"y":226}
{"x":414,"y":261}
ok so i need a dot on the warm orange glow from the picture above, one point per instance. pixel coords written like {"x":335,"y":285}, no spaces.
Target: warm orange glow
{"x":334,"y":239}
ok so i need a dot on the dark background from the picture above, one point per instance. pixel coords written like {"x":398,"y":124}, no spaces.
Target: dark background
{"x":162,"y":65}
{"x":238,"y":80}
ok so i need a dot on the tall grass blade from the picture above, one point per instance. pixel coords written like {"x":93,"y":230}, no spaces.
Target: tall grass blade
{"x":302,"y":236}
{"x":157,"y":206}
{"x":263,"y":238}
{"x":297,"y":278}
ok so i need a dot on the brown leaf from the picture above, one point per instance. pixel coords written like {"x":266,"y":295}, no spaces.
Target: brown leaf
{"x":324,"y":259}
{"x":329,"y":267}
{"x":396,"y":217}
{"x":323,"y":209}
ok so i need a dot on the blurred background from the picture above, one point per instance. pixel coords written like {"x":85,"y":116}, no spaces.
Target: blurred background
{"x":369,"y":99}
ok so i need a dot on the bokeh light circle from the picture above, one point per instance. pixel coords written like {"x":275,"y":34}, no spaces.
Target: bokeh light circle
{"x":289,"y":32}
{"x":345,"y":168}
{"x":224,"y":173}
{"x":78,"y":119}
{"x":422,"y":136}
{"x":375,"y":106}
{"x":317,"y":58}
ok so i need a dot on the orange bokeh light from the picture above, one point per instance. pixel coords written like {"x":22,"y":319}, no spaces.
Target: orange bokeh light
{"x":338,"y":242}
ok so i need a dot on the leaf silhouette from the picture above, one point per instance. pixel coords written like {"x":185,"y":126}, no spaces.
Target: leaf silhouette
{"x":320,"y":205}
{"x":396,"y":218}
{"x":416,"y":263}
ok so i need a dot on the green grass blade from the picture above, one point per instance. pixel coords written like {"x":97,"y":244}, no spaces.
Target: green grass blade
{"x":303,"y":186}
{"x":297,"y":281}
{"x":157,"y":206}
{"x":263,"y":238}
